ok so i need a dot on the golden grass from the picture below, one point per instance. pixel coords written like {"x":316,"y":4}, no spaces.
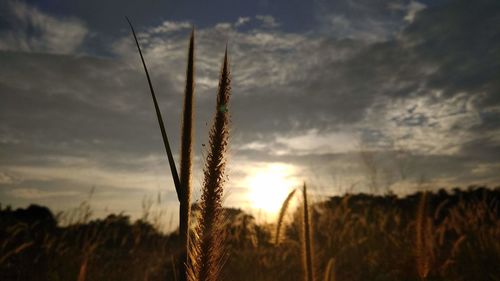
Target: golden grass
{"x":284,"y":208}
{"x":307,"y":243}
{"x":186,"y":162}
{"x":424,"y":244}
{"x":329,"y":271}
{"x":369,"y":237}
{"x":207,"y":252}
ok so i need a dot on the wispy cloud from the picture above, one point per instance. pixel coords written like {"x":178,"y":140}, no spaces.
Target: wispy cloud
{"x":171,"y":26}
{"x":35,"y":194}
{"x":366,"y":20}
{"x":34,"y":31}
{"x":412,"y":9}
{"x":268,"y":21}
{"x":242,"y":21}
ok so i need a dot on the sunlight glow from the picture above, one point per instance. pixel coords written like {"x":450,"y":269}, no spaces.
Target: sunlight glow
{"x":269,"y":186}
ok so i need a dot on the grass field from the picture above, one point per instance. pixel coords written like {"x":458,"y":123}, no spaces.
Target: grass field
{"x":355,"y":237}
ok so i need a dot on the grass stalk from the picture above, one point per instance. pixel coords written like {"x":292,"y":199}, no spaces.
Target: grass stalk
{"x":82,"y":273}
{"x":329,"y":272}
{"x":186,"y":162}
{"x":182,"y":183}
{"x":424,"y":240}
{"x":281,"y":216}
{"x":207,"y":263}
{"x":171,"y":161}
{"x":307,"y":247}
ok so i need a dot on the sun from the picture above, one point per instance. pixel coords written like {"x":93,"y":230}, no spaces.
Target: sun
{"x":269,"y":185}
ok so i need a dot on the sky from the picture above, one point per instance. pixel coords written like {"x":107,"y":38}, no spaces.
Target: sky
{"x":348,"y":95}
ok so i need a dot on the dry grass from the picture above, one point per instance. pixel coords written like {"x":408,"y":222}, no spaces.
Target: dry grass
{"x":166,"y":143}
{"x":182,"y":183}
{"x":208,"y":249}
{"x":369,"y":237}
{"x":424,"y":244}
{"x":186,"y":162}
{"x":329,"y":271}
{"x":307,"y":240}
{"x":281,"y":216}
{"x":202,"y":260}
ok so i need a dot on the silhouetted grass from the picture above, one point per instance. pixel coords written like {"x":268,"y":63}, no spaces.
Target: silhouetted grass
{"x":186,"y":162}
{"x":208,"y":248}
{"x":424,"y":245}
{"x":307,"y":243}
{"x":329,"y":271}
{"x":281,"y":216}
{"x":369,"y":237}
{"x":164,"y":135}
{"x":182,"y":184}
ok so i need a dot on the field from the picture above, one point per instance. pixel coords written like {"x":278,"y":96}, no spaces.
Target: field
{"x":355,"y":237}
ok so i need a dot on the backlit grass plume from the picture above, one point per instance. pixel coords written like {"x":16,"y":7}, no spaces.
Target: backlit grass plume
{"x":329,"y":271}
{"x":186,"y":162}
{"x":281,"y":216}
{"x":424,"y":244}
{"x":307,"y":246}
{"x":207,"y":252}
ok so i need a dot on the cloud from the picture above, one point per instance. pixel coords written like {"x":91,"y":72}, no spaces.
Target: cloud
{"x":7,"y":178}
{"x":171,"y":26}
{"x":442,"y":37}
{"x":364,"y":19}
{"x":268,"y":21}
{"x":425,"y":126}
{"x":420,"y":90}
{"x":36,"y":194}
{"x":412,"y":9}
{"x":35,"y":31}
{"x":314,"y":142}
{"x":242,"y":21}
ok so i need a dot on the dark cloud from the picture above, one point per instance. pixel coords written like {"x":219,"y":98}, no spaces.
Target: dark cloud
{"x":108,"y":16}
{"x":424,"y":93}
{"x":369,"y":20}
{"x":461,"y":39}
{"x":26,"y":28}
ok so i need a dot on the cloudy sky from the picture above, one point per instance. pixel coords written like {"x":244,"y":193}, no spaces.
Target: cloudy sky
{"x":348,"y":95}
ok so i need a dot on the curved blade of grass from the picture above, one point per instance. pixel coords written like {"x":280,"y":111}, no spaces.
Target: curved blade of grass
{"x":329,"y":273}
{"x":281,"y":216}
{"x":171,"y":161}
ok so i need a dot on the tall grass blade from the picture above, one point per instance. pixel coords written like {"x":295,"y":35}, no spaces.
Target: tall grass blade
{"x":307,"y":249}
{"x":171,"y":161}
{"x":424,"y":240}
{"x":281,"y":216}
{"x":186,"y":161}
{"x":329,"y":272}
{"x":82,"y":273}
{"x":208,"y":250}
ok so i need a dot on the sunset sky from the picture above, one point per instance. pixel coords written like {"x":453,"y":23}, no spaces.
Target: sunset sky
{"x":348,"y":95}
